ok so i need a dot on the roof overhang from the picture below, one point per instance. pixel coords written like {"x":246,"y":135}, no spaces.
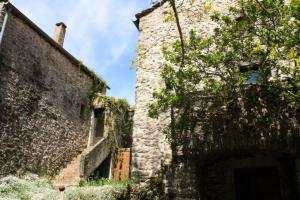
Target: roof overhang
{"x":143,"y":13}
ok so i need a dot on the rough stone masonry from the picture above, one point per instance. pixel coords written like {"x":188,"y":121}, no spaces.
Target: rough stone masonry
{"x":45,"y":96}
{"x":151,"y":155}
{"x":150,"y":149}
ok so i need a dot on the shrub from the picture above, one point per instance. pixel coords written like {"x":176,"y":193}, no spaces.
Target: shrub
{"x":32,"y":187}
{"x":105,"y":192}
{"x":27,"y":187}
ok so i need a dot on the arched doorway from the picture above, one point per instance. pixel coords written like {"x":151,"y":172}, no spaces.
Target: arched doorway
{"x":249,"y":176}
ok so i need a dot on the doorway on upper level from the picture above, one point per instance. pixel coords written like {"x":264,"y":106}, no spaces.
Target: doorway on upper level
{"x":99,"y":123}
{"x":97,"y":126}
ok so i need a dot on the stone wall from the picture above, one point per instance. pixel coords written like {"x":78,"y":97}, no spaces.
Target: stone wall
{"x":151,"y":154}
{"x":219,"y":174}
{"x":92,"y":159}
{"x":117,"y":121}
{"x":44,"y":104}
{"x":2,"y":13}
{"x":186,"y":177}
{"x":116,"y":133}
{"x":149,"y":147}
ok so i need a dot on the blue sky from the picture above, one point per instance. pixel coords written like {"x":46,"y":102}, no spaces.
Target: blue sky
{"x":100,"y":33}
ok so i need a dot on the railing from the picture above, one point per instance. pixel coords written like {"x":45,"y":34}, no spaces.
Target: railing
{"x":94,"y":157}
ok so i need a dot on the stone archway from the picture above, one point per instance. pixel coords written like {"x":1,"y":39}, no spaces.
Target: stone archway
{"x":254,"y":176}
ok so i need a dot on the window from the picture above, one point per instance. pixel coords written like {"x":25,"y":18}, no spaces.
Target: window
{"x":252,"y":73}
{"x":253,"y":77}
{"x":99,"y":122}
{"x":82,"y":111}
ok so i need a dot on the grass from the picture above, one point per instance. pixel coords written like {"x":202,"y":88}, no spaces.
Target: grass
{"x":32,"y":187}
{"x":103,"y":181}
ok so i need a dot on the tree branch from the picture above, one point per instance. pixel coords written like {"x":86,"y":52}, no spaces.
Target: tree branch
{"x":173,"y":5}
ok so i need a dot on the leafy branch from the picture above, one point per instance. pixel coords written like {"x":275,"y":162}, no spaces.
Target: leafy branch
{"x":208,"y":78}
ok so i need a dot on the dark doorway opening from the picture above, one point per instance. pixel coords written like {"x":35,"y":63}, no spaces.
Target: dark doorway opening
{"x":99,"y":120}
{"x":103,"y":170}
{"x":258,"y":183}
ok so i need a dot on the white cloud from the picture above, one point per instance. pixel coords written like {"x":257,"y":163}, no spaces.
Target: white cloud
{"x":116,"y":52}
{"x":99,"y":32}
{"x":92,"y":21}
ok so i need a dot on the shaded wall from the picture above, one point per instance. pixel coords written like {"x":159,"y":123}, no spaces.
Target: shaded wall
{"x":150,"y":149}
{"x":151,"y":155}
{"x":44,"y":112}
{"x":116,"y":121}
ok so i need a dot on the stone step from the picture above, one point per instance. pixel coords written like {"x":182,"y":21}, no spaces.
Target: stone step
{"x":70,"y":175}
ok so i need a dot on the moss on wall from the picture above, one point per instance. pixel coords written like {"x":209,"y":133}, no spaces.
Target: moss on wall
{"x":118,"y":119}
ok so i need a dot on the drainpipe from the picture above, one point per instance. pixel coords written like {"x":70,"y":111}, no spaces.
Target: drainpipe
{"x":4,"y":24}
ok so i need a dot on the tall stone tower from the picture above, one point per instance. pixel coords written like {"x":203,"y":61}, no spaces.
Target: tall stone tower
{"x":223,"y":176}
{"x":151,"y":153}
{"x":238,"y":174}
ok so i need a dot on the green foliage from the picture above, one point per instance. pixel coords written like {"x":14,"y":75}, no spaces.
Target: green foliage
{"x":208,"y":7}
{"x":153,"y":190}
{"x":170,"y":17}
{"x":112,"y":102}
{"x":31,"y":187}
{"x":95,"y":90}
{"x":141,"y":55}
{"x":119,"y":115}
{"x":103,"y":181}
{"x":106,"y":192}
{"x":262,"y":35}
{"x":100,"y":189}
{"x":99,"y":85}
{"x":91,"y":73}
{"x":26,"y":188}
{"x":133,"y":64}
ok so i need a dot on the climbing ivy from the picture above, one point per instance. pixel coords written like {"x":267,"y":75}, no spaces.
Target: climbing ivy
{"x":98,"y":85}
{"x":208,"y":80}
{"x":112,"y":102}
{"x":170,"y":17}
{"x":119,"y":116}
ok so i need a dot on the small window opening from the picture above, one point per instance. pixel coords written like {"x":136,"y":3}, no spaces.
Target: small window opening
{"x":99,"y":120}
{"x":82,"y":111}
{"x":253,"y":75}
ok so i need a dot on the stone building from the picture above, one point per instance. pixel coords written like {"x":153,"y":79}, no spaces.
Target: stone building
{"x":47,"y":117}
{"x":268,"y":172}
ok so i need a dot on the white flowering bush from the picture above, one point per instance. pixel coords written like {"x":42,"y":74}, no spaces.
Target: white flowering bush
{"x":28,"y":187}
{"x":32,"y":187}
{"x":105,"y":192}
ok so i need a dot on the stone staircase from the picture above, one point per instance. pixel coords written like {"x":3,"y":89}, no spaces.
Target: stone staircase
{"x":84,"y":164}
{"x":94,"y":157}
{"x":70,"y":176}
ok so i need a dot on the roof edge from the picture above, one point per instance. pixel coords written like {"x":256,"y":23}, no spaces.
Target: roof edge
{"x":145,"y":12}
{"x":52,"y":42}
